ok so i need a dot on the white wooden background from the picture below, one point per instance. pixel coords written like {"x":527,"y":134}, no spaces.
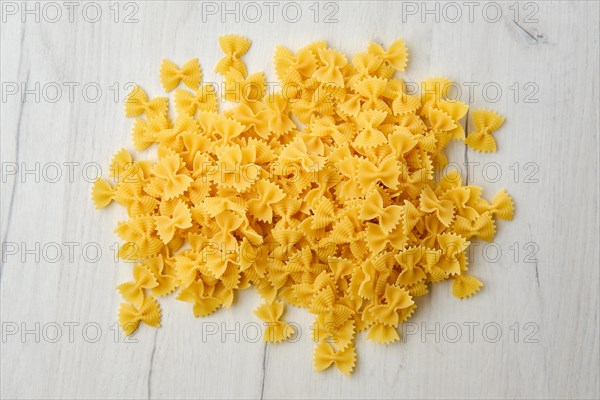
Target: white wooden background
{"x":554,"y":300}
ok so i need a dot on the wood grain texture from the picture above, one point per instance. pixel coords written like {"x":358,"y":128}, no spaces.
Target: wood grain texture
{"x":549,"y":288}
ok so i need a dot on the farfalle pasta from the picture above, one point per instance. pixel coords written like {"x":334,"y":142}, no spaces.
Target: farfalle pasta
{"x":482,"y":139}
{"x":234,"y":47}
{"x":321,"y":195}
{"x":171,"y":75}
{"x":276,"y":330}
{"x":137,"y":103}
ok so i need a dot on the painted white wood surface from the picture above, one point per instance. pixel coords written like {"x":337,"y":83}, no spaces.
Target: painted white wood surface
{"x":556,"y":197}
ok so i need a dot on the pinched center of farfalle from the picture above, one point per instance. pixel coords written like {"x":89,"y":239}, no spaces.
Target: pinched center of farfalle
{"x":321,"y":195}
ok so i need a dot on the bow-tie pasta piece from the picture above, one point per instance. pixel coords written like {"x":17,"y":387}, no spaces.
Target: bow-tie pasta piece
{"x":331,"y":71}
{"x":482,"y":227}
{"x":269,"y":193}
{"x":234,"y":47}
{"x":145,"y":133}
{"x":412,"y":272}
{"x":370,"y":134}
{"x":396,"y":55}
{"x":387,"y":316}
{"x":204,"y":302}
{"x":137,"y":103}
{"x":443,"y":209}
{"x":482,"y":139}
{"x":325,"y":355}
{"x":173,"y":174}
{"x":456,"y":110}
{"x":323,"y":194}
{"x":102,"y":193}
{"x":342,"y":335}
{"x":502,"y":205}
{"x":139,"y":236}
{"x":190,"y":74}
{"x":238,"y":88}
{"x":276,"y":330}
{"x":124,"y":169}
{"x":388,"y":217}
{"x":166,"y":225}
{"x":387,"y":173}
{"x":133,"y":292}
{"x":164,"y":272}
{"x":130,"y":316}
{"x":204,"y":99}
{"x":279,"y":121}
{"x":465,"y":286}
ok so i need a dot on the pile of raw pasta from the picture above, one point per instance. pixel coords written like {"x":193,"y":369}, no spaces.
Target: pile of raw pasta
{"x":321,"y":195}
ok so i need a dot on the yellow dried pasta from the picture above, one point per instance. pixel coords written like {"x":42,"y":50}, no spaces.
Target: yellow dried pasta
{"x":321,"y":195}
